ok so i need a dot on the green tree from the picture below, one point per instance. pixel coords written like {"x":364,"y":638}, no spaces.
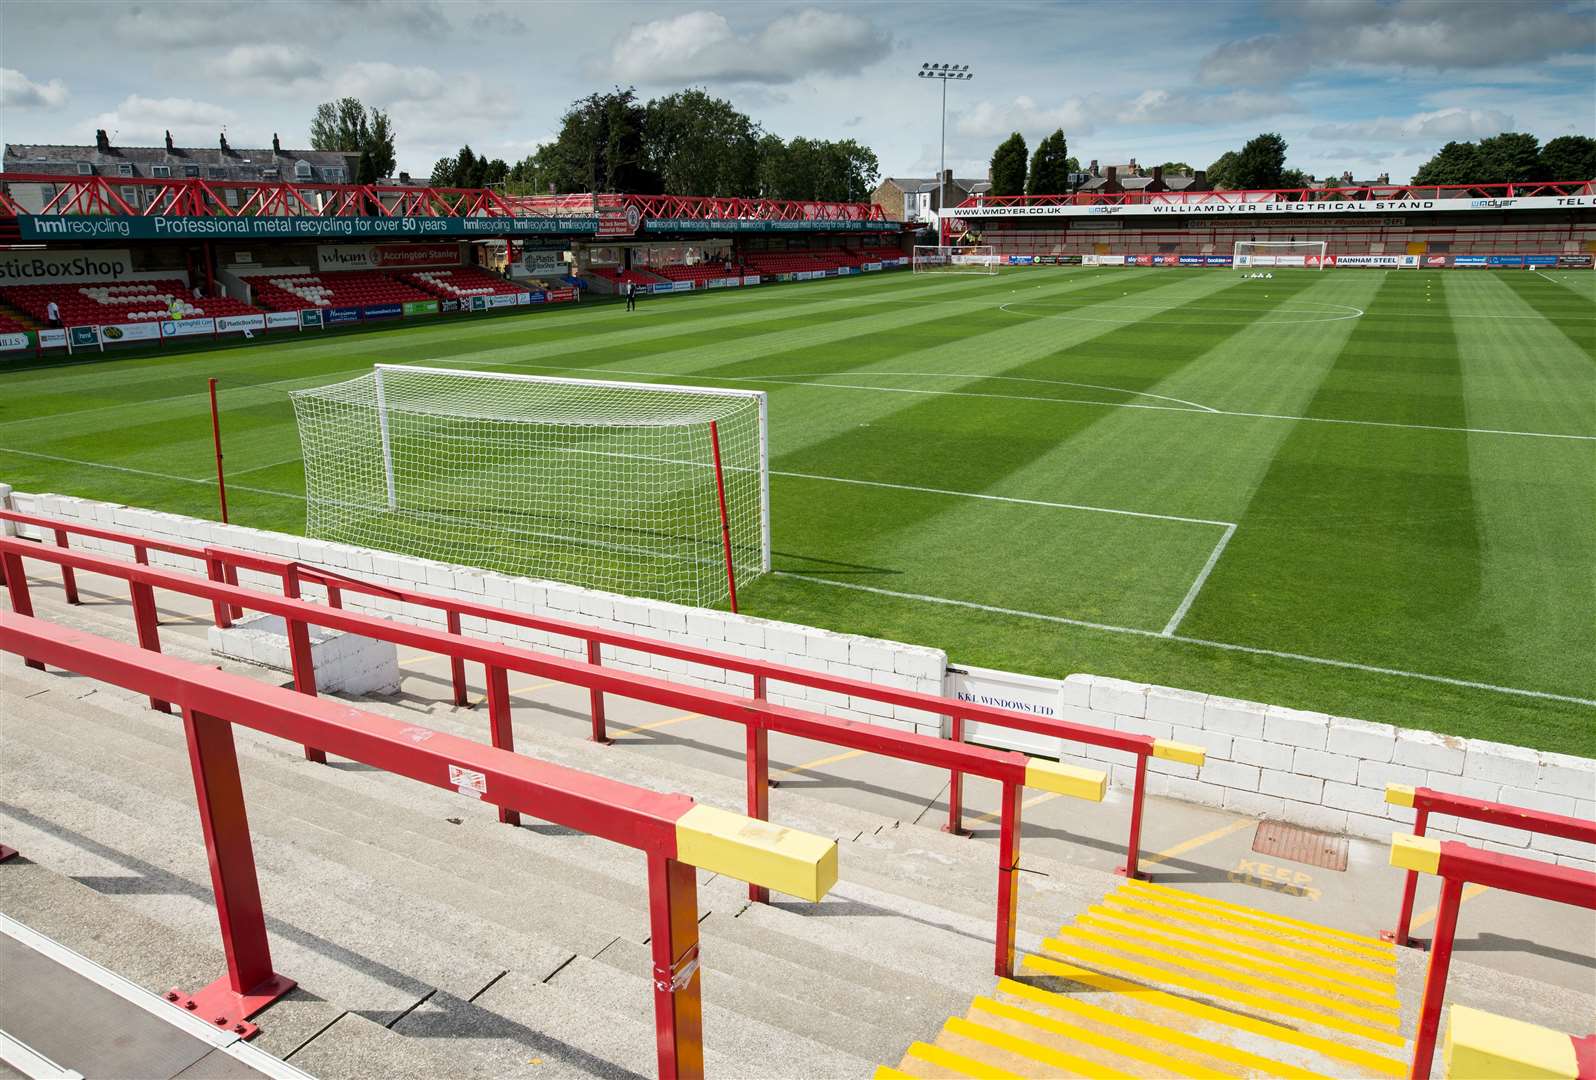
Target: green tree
{"x":366,"y":172}
{"x":1294,"y":178}
{"x":444,"y":173}
{"x":1261,"y":162}
{"x":380,"y":143}
{"x":1173,"y":167}
{"x":771,"y":170}
{"x":348,"y":126}
{"x":1008,"y":166}
{"x":1569,"y":157}
{"x":1509,"y":158}
{"x":1050,"y":166}
{"x":701,"y":145}
{"x":1454,"y":163}
{"x":1222,"y":173}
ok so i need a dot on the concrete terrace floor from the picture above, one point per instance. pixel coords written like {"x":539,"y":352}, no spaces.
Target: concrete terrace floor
{"x":1502,"y":938}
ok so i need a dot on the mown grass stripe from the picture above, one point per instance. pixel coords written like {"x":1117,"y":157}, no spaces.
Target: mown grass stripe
{"x":1158,"y":974}
{"x":1363,"y":941}
{"x":1326,"y":976}
{"x":1155,"y":1032}
{"x":1260,"y":985}
{"x":1337,"y":1049}
{"x":1168,"y":1064}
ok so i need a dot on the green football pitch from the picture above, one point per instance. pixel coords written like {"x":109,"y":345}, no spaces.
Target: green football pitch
{"x":1363,"y":492}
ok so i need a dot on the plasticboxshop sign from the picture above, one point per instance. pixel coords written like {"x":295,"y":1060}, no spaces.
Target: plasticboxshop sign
{"x":38,"y":228}
{"x":1274,"y":208}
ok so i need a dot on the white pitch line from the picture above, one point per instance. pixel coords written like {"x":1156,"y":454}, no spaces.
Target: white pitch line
{"x":207,"y":481}
{"x":1200,"y":642}
{"x":1197,"y":586}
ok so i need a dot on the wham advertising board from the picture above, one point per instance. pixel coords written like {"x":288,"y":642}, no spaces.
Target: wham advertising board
{"x":385,"y":256}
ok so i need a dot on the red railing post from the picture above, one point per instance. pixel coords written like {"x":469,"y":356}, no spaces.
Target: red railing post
{"x":955,"y":823}
{"x":335,"y":596}
{"x":758,"y":765}
{"x":148,"y":627}
{"x":1410,"y":887}
{"x":216,"y":437}
{"x":250,"y":982}
{"x":503,"y":731}
{"x":300,"y":658}
{"x":17,"y":587}
{"x":1008,"y":891}
{"x":1133,"y":846}
{"x":596,"y":696}
{"x":1435,"y":978}
{"x":215,"y":570}
{"x":725,"y":524}
{"x":673,"y":929}
{"x":69,"y":580}
{"x":456,"y":665}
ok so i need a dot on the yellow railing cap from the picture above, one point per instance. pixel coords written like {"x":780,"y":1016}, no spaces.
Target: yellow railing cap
{"x":1483,"y":1046}
{"x":1062,"y":779}
{"x":797,"y":863}
{"x":1399,"y":794}
{"x":1185,"y":753}
{"x":1421,"y":853}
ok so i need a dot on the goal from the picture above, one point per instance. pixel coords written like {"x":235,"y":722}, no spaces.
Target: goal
{"x":609,"y":485}
{"x":956,"y":260}
{"x":1251,"y":254}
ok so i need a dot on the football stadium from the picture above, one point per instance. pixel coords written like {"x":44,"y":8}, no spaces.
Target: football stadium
{"x":687,"y":603}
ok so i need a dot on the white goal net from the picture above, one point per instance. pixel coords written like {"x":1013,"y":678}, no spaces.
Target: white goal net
{"x":608,"y":485}
{"x":968,"y":259}
{"x":1260,"y":254}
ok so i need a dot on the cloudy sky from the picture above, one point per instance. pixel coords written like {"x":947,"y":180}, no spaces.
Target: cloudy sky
{"x":1366,"y":85}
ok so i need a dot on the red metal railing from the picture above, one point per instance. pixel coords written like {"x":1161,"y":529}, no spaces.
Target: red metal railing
{"x":1458,"y":864}
{"x":1013,"y":771}
{"x":1329,"y":194}
{"x":212,"y":702}
{"x":1425,"y":800}
{"x":224,"y":565}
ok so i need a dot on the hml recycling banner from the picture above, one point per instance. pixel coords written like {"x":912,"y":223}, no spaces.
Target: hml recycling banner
{"x":36,"y":228}
{"x":1226,"y":205}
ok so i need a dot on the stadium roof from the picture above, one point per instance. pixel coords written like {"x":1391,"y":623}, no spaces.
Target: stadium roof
{"x":63,"y":158}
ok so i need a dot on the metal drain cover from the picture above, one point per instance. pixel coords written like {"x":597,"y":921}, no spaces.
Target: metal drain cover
{"x":1297,"y":844}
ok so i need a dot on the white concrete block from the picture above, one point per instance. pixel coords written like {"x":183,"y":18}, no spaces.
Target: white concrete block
{"x":1484,"y":830}
{"x":1288,"y":785}
{"x":1173,"y":706}
{"x":1500,"y":764}
{"x":1196,"y":791}
{"x":708,"y":627}
{"x":1234,"y":717}
{"x":784,"y":638}
{"x":1577,"y":864}
{"x":1529,"y":799}
{"x":1296,"y":727}
{"x":1429,"y":751}
{"x":823,"y":645}
{"x":1139,"y":725}
{"x":1263,"y":754}
{"x":667,"y":617}
{"x":743,"y":631}
{"x":1462,"y":785}
{"x":1558,"y":845}
{"x":1562,"y":774}
{"x":1253,"y":804}
{"x":1361,"y":800}
{"x":1217,"y":743}
{"x":1326,"y":766}
{"x":1119,"y":696}
{"x":1231,"y":775}
{"x":872,"y":654}
{"x":1076,"y":691}
{"x":1361,"y":739}
{"x":1379,"y":829}
{"x":1377,"y":774}
{"x":1312,"y":816}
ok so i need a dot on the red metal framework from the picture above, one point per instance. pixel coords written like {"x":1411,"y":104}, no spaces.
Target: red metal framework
{"x":1361,"y":193}
{"x":212,"y":702}
{"x":1458,"y":864}
{"x":1425,"y":800}
{"x":224,"y":566}
{"x":1011,"y":770}
{"x":202,"y":197}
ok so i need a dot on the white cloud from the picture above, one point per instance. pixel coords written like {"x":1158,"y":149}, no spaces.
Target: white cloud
{"x":1422,"y":35}
{"x":17,"y":91}
{"x":697,"y":46}
{"x":1081,"y":116}
{"x":142,"y":121}
{"x":988,"y":119}
{"x":433,"y":113}
{"x":269,"y":63}
{"x":1442,"y":125}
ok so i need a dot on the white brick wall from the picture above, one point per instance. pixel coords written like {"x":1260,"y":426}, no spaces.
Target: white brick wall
{"x":910,"y":667}
{"x":1330,"y":772}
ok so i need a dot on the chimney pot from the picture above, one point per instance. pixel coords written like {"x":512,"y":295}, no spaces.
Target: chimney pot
{"x":168,"y":141}
{"x":277,"y":146}
{"x":102,"y":141}
{"x":222,"y":139}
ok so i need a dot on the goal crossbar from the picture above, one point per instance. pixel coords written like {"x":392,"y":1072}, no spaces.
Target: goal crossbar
{"x":1251,"y":254}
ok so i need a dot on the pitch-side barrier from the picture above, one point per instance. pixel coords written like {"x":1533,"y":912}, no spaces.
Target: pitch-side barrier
{"x":223,"y":565}
{"x":1013,"y":771}
{"x":676,"y":835}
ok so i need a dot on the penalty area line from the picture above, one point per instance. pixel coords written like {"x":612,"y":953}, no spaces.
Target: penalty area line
{"x":1197,"y":585}
{"x":1226,"y":646}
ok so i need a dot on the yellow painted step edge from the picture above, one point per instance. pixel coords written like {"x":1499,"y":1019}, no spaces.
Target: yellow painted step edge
{"x":1155,"y":973}
{"x":1035,"y":1051}
{"x":1315,"y":974}
{"x":1332,"y":1048}
{"x":886,"y":1072}
{"x":1168,"y":1063}
{"x":1198,"y":917}
{"x":1149,"y":1029}
{"x":1346,"y":937}
{"x":1386,"y":1017}
{"x":964,"y":1066}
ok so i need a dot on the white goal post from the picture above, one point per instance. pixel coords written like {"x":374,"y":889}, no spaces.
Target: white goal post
{"x":609,"y":485}
{"x":965,"y":259}
{"x":1252,"y":254}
